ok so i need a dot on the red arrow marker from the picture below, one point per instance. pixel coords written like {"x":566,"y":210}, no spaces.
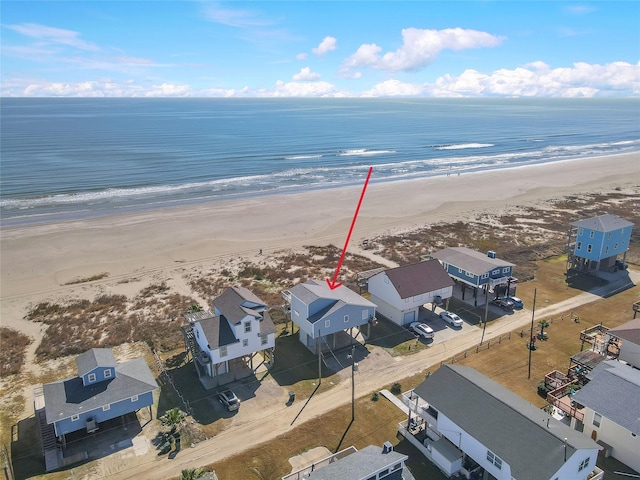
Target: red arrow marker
{"x":332,"y":283}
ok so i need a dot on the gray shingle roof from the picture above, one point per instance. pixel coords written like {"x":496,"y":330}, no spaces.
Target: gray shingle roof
{"x":266,"y":325}
{"x":614,"y":392}
{"x":93,"y":358}
{"x":629,"y":331}
{"x":603,"y":223}
{"x":69,"y":397}
{"x":360,"y":465}
{"x":235,"y":303}
{"x":419,"y":278}
{"x":512,"y":428}
{"x":216,"y":329}
{"x":470,"y":260}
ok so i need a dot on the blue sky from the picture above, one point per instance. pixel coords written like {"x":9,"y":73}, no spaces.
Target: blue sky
{"x":324,"y":49}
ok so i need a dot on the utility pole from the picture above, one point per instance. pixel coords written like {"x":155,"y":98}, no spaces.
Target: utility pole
{"x":319,"y":358}
{"x":354,"y":366}
{"x":486,"y":312}
{"x":533,"y":312}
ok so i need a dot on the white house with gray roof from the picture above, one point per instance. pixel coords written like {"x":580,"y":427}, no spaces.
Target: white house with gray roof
{"x":611,"y":403}
{"x":370,"y":463}
{"x":462,"y":420}
{"x":238,"y":327}
{"x":322,"y":313}
{"x":400,"y":292}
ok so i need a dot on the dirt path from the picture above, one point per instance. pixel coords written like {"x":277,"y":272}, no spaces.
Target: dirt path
{"x":370,"y":377}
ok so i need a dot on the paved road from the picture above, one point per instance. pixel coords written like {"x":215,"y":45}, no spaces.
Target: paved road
{"x":377,"y":370}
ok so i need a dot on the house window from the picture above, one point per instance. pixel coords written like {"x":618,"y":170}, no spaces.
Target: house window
{"x":580,"y":231}
{"x":223,"y":351}
{"x":589,"y":248}
{"x":92,"y":377}
{"x":579,"y":246}
{"x":197,"y":334}
{"x":469,"y":274}
{"x":459,"y":270}
{"x":606,"y":250}
{"x":386,"y":279}
{"x":505,"y":270}
{"x":247,"y":327}
{"x":263,"y":340}
{"x":327,"y":323}
{"x":495,"y":272}
{"x":346,"y":319}
{"x":383,"y":473}
{"x":609,"y":235}
{"x":134,"y":398}
{"x":75,"y":417}
{"x":397,"y":466}
{"x":615,"y":246}
{"x":591,"y":234}
{"x":107,"y":373}
{"x":106,"y":408}
{"x":597,"y":418}
{"x":493,"y":458}
{"x":365,"y":314}
{"x":485,"y":275}
{"x":583,"y":464}
{"x":245,"y":342}
{"x":296,"y":312}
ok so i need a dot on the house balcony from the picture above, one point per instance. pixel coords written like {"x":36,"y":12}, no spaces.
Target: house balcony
{"x":419,"y":407}
{"x":561,"y":399}
{"x":555,"y":379}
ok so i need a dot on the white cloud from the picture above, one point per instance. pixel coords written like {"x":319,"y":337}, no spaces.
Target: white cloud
{"x":105,"y":88}
{"x":539,"y":80}
{"x":580,"y":9}
{"x":305,"y":75}
{"x":419,"y":49}
{"x":394,"y":88}
{"x":327,"y":45}
{"x":53,"y":35}
{"x":301,"y":56}
{"x":301,"y":89}
{"x":235,"y":18}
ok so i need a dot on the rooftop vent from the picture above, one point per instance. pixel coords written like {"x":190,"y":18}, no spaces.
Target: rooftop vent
{"x":387,"y":447}
{"x":491,"y":254}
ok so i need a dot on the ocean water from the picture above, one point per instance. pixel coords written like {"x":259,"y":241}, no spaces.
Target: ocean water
{"x":76,"y":158}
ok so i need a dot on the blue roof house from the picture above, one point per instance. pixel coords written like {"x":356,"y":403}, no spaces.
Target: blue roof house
{"x":323,"y":314}
{"x":470,"y":268}
{"x":595,"y":243}
{"x":103,"y":390}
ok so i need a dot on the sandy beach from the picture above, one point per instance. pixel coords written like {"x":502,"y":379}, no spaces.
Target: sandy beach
{"x":38,"y":260}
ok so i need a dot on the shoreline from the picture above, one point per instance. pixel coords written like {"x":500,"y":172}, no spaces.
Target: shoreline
{"x":85,"y":214}
{"x":41,"y":258}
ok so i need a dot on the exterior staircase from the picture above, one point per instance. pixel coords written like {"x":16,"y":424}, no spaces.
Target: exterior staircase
{"x":51,"y":449}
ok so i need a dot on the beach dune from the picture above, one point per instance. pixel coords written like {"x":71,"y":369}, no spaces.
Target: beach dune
{"x":37,"y":261}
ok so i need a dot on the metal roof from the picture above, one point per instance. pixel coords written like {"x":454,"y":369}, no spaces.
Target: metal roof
{"x":470,"y":260}
{"x":312,"y":290}
{"x":512,"y":428}
{"x":614,"y":392}
{"x":603,"y":223}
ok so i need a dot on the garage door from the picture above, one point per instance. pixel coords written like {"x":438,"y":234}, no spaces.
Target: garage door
{"x":409,"y":317}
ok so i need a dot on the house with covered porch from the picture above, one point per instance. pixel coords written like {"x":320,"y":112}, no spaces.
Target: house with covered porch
{"x":465,"y":423}
{"x":323,"y":315}
{"x":477,"y":271}
{"x":225,"y":340}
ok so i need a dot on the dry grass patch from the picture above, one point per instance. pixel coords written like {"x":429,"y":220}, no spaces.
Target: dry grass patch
{"x":12,"y":350}
{"x":111,"y":320}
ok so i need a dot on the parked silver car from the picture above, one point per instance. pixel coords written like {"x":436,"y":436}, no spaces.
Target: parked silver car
{"x":451,"y":318}
{"x":229,"y":400}
{"x":421,"y":329}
